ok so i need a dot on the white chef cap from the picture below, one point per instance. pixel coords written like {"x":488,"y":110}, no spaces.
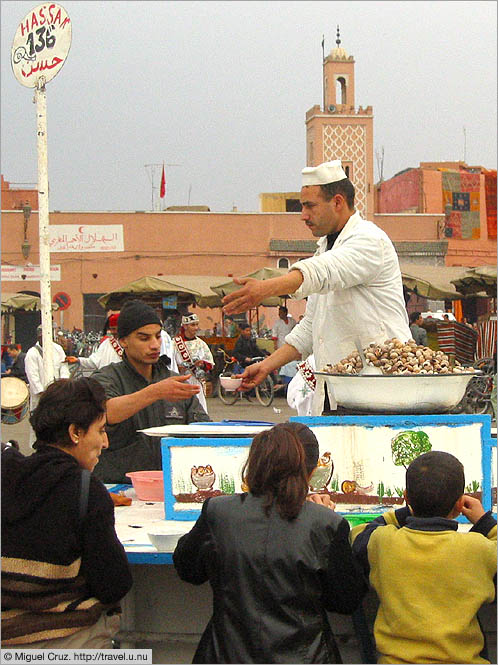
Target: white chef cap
{"x":323,"y":173}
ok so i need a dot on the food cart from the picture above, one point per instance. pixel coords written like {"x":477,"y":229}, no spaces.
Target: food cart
{"x":362,"y":466}
{"x":395,"y":416}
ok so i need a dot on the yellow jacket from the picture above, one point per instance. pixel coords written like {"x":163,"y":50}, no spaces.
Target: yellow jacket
{"x":431,"y":581}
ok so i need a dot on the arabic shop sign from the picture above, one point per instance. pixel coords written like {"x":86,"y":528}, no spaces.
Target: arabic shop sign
{"x":29,"y":273}
{"x":41,"y":44}
{"x":86,"y":238}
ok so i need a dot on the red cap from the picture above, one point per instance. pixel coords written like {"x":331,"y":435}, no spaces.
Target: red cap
{"x":113,"y":320}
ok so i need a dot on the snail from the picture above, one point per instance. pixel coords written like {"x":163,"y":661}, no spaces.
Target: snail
{"x":396,"y":357}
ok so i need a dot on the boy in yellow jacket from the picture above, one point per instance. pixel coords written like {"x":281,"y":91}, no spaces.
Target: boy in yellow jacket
{"x":430,"y":578}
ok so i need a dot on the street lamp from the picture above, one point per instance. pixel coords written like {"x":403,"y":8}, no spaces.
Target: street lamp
{"x":25,"y":247}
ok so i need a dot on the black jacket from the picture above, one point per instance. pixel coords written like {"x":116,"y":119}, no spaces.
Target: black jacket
{"x":272,"y":581}
{"x":17,"y":368}
{"x":59,"y":570}
{"x":247,"y":348}
{"x":129,"y":449}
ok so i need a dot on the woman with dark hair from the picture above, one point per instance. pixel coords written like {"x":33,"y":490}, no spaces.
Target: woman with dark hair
{"x":275,"y":561}
{"x":63,"y":567}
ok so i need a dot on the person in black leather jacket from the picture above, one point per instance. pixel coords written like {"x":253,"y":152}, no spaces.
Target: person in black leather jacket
{"x":246,"y":348}
{"x":276,"y":562}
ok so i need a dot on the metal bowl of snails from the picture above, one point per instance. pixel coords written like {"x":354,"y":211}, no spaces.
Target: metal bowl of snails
{"x":414,"y":379}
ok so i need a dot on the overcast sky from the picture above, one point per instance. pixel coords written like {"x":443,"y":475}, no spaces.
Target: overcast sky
{"x":222,"y":88}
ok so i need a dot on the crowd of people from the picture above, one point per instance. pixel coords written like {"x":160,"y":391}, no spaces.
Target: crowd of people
{"x":277,"y":557}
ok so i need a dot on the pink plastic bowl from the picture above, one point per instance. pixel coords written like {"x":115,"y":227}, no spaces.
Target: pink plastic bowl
{"x":148,"y":485}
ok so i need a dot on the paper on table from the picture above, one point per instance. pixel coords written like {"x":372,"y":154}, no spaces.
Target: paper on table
{"x":205,"y":429}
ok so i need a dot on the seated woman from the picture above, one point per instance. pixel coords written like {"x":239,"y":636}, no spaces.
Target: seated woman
{"x":275,"y":561}
{"x":63,"y":567}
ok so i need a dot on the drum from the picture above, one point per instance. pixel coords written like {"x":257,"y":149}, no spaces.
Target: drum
{"x":15,"y":400}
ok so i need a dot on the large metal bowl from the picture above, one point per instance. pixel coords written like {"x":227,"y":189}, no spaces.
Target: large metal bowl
{"x":401,"y":393}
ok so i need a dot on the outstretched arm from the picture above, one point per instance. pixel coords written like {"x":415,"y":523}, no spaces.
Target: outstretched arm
{"x":255,"y":374}
{"x":173,"y":389}
{"x":254,"y":291}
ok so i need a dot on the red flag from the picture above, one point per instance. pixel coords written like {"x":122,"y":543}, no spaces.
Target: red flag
{"x":162,"y":192}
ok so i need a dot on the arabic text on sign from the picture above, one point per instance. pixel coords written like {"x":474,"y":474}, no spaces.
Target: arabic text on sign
{"x":34,"y":21}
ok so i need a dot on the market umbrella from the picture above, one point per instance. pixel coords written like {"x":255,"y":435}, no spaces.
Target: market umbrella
{"x":202,"y":285}
{"x":25,"y":301}
{"x":434,"y":282}
{"x":482,"y":278}
{"x":148,"y":285}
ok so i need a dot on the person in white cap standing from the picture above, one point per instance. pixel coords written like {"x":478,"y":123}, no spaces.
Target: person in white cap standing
{"x":353,"y":282}
{"x":35,"y":372}
{"x":192,"y":355}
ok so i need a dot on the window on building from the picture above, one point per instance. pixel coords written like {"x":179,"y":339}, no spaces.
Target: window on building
{"x":341,"y":90}
{"x":94,"y":315}
{"x":283,"y":262}
{"x":293,"y":205}
{"x":348,"y":169}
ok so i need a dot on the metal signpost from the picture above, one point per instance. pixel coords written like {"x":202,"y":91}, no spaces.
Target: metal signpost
{"x":39,"y":50}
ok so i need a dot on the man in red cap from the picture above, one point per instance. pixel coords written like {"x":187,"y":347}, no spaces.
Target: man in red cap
{"x":109,"y":351}
{"x":193,"y":355}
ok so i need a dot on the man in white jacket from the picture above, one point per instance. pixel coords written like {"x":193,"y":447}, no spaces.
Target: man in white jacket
{"x":33,"y":366}
{"x":192,"y":355}
{"x":353,"y":282}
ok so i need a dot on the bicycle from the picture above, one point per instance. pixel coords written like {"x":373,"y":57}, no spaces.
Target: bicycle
{"x":477,"y":398}
{"x":264,"y":392}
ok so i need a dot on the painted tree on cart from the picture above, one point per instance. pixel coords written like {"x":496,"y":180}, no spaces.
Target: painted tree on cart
{"x":407,"y":446}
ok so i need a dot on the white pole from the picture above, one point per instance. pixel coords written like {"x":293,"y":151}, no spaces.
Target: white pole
{"x":43,"y":224}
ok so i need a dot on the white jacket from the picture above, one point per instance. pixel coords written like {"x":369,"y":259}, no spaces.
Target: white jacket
{"x":33,"y":365}
{"x":168,"y":350}
{"x":300,"y":393}
{"x":353,"y":290}
{"x":104,"y":355}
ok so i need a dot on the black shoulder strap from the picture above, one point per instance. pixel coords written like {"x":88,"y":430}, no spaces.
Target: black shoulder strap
{"x":85,"y":485}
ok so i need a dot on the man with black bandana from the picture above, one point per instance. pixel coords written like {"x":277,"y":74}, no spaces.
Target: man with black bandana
{"x":141,"y":392}
{"x":352,"y":283}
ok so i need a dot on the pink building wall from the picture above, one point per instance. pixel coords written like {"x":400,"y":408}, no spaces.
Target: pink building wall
{"x":432,"y":198}
{"x":400,"y":193}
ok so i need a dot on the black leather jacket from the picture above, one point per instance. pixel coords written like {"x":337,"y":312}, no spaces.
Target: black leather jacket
{"x":272,"y":581}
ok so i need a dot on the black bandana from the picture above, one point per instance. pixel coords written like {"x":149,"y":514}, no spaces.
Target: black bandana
{"x":135,"y":314}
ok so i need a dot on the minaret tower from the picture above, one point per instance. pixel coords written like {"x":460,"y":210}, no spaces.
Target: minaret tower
{"x":339,"y":131}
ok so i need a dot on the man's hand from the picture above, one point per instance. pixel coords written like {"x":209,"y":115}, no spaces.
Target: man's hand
{"x":254,"y":291}
{"x":71,"y":360}
{"x":176,"y":388}
{"x":472,"y":508}
{"x":250,"y":295}
{"x":252,"y":376}
{"x":172,"y":389}
{"x":322,"y":500}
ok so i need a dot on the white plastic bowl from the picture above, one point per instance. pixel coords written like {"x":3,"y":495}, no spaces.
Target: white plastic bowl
{"x":229,"y":383}
{"x":165,"y":542}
